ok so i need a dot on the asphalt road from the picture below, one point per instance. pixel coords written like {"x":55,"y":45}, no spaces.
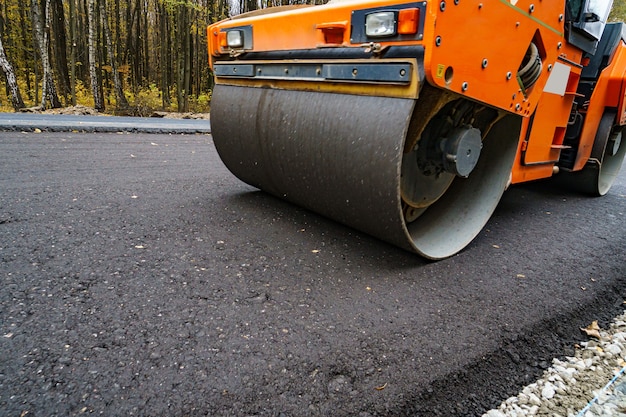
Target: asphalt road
{"x":140,"y":278}
{"x":67,"y":122}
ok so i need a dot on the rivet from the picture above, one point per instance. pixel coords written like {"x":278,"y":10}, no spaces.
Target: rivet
{"x":517,"y":107}
{"x":480,"y":6}
{"x":508,"y":75}
{"x":442,"y":6}
{"x":560,"y":18}
{"x":549,"y":67}
{"x":485,"y":62}
{"x":438,"y":41}
{"x":531,"y":8}
{"x":464,"y":86}
{"x":559,"y":45}
{"x":355,"y":71}
{"x":456,"y":2}
{"x":402,"y":72}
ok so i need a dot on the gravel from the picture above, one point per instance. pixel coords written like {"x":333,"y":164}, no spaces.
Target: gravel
{"x":592,"y":383}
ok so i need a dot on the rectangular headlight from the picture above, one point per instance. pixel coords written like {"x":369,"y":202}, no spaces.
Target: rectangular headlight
{"x":234,"y":38}
{"x":380,"y":24}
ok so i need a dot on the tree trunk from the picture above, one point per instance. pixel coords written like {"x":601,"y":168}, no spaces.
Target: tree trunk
{"x":164,"y":37}
{"x":73,"y":22}
{"x":26,"y":54}
{"x":122,"y":103}
{"x":59,"y":41}
{"x":16,"y":97}
{"x":94,"y":74}
{"x":182,"y":67}
{"x":42,"y":36}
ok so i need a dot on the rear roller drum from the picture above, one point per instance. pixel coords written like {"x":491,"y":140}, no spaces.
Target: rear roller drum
{"x":607,"y":156}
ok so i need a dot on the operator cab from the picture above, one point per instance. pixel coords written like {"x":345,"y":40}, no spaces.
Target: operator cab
{"x":585,"y":21}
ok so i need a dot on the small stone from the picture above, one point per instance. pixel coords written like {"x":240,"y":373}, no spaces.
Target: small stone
{"x":494,"y":413}
{"x":613,"y":349}
{"x":340,"y":383}
{"x":548,"y":391}
{"x":534,"y":400}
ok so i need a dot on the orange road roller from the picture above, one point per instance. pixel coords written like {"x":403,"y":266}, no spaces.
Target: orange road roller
{"x":408,"y":120}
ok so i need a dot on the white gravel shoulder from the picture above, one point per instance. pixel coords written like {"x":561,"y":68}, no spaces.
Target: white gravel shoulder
{"x":590,"y":384}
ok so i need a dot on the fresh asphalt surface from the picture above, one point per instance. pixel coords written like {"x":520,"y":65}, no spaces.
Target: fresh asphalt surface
{"x":139,"y":277}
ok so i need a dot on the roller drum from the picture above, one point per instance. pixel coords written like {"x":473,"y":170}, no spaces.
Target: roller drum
{"x":341,"y":156}
{"x":336,"y":154}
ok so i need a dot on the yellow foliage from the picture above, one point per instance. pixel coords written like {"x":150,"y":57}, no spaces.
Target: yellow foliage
{"x":618,"y":12}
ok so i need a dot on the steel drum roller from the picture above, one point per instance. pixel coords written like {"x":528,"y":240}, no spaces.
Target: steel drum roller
{"x":341,"y":156}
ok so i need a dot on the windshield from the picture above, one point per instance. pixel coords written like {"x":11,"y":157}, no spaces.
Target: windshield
{"x":598,"y":9}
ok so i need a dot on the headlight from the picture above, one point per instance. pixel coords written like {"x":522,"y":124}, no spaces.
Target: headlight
{"x":380,"y":24}
{"x":234,"y":38}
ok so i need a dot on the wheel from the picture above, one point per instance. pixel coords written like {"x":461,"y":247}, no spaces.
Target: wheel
{"x":607,"y":156}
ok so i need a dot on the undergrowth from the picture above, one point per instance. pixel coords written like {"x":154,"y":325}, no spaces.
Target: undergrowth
{"x":142,"y":102}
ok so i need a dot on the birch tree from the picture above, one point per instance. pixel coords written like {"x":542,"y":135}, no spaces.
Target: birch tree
{"x":41,"y":27}
{"x":16,"y":97}
{"x":122,"y":103}
{"x":94,"y":74}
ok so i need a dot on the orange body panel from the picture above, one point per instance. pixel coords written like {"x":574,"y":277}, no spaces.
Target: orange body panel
{"x":460,"y":63}
{"x":542,"y":137}
{"x":497,"y":34}
{"x":300,"y":28}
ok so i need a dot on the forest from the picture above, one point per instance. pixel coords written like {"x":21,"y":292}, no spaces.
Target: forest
{"x":117,"y":56}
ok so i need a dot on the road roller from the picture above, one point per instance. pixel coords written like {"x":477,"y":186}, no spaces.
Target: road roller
{"x":408,"y":120}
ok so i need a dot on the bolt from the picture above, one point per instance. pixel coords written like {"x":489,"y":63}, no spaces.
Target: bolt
{"x":402,"y":72}
{"x":354,"y":72}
